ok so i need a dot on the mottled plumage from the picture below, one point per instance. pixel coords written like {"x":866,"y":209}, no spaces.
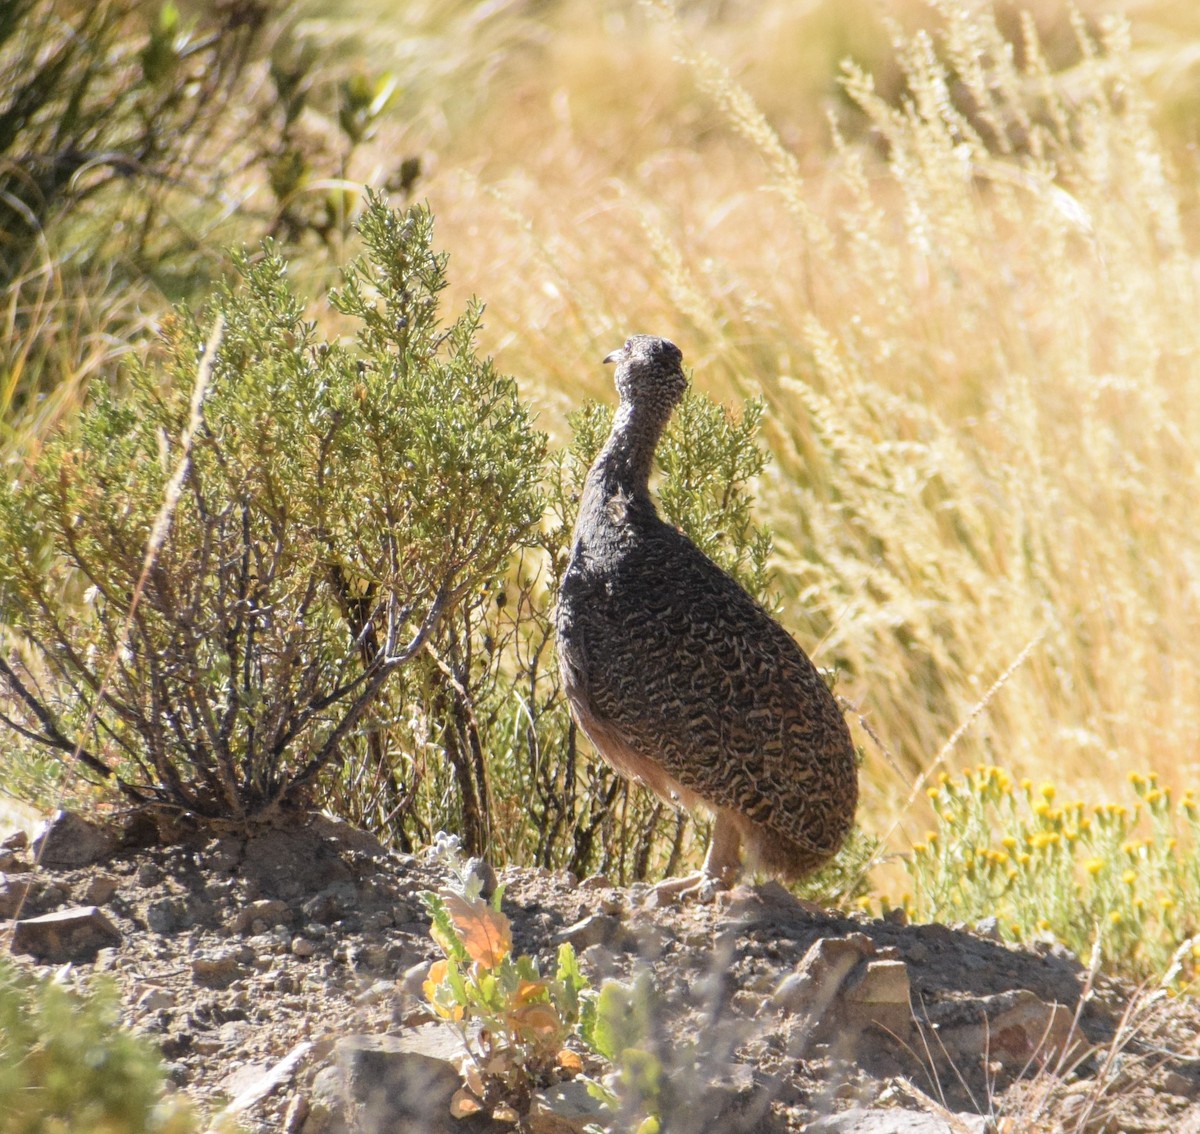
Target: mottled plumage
{"x":678,"y":676}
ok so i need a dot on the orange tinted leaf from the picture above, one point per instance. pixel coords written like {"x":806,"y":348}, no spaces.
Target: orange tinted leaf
{"x":535,"y":1020}
{"x":570,"y":1061}
{"x":484,"y":932}
{"x":529,"y":990}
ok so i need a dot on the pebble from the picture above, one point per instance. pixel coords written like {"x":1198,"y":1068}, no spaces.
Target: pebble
{"x":303,"y":946}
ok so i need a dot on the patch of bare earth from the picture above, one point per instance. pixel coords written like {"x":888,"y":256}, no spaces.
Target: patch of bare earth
{"x":281,"y":976}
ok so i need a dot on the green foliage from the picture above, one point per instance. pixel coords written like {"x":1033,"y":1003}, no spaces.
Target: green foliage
{"x":1123,"y":881}
{"x":67,"y":1066}
{"x":514,"y":1022}
{"x":339,"y":500}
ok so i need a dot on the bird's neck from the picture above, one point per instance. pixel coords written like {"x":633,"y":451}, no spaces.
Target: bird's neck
{"x":625,"y":461}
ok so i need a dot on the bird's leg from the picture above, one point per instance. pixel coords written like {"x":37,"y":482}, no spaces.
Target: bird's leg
{"x":723,"y":863}
{"x":721,"y":870}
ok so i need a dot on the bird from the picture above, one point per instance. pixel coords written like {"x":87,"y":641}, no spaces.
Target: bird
{"x":679,"y":677}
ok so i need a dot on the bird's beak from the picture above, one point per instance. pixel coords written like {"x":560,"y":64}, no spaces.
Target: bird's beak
{"x":614,"y":357}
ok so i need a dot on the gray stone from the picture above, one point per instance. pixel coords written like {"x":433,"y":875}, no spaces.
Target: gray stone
{"x":67,"y":841}
{"x":399,"y":1084}
{"x":167,"y":915}
{"x":303,"y":946}
{"x":13,"y":894}
{"x":75,"y":934}
{"x":217,"y":967}
{"x":566,"y":1108}
{"x":100,"y":888}
{"x":156,"y":999}
{"x":260,"y":916}
{"x":331,"y":903}
{"x":1007,"y":1029}
{"x":18,"y":840}
{"x":819,"y":976}
{"x":860,"y":1120}
{"x":596,"y":929}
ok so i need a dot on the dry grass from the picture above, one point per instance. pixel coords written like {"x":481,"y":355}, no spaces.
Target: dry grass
{"x":975,"y":331}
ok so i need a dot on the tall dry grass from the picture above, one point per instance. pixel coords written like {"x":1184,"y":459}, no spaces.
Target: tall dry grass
{"x":974,"y":320}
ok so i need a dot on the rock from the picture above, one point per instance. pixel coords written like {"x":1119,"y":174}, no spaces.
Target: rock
{"x":67,"y":841}
{"x":217,"y":967}
{"x":566,"y":1108}
{"x":303,"y":946}
{"x":596,"y":929}
{"x":847,"y":992}
{"x":1006,"y":1029}
{"x":100,"y":888}
{"x":331,"y":903}
{"x":892,"y":1120}
{"x":819,"y":976}
{"x":412,"y":981}
{"x":18,"y":840}
{"x":13,"y":894}
{"x":9,"y":860}
{"x":167,"y":915}
{"x":260,"y":916}
{"x":155,"y":1000}
{"x":398,"y":1084}
{"x":75,"y":934}
{"x":295,"y":1114}
{"x":881,"y":997}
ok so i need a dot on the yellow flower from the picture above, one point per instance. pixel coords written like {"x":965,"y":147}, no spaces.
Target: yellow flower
{"x":933,"y":792}
{"x":919,"y":848}
{"x":1129,"y":877}
{"x":1115,"y":917}
{"x":1047,"y":792}
{"x":1094,"y":865}
{"x":1008,"y":843}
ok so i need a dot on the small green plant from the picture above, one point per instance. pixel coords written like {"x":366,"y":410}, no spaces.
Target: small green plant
{"x":1124,"y":879}
{"x":338,"y":501}
{"x":66,"y":1065}
{"x":514,"y":1022}
{"x":621,"y":1029}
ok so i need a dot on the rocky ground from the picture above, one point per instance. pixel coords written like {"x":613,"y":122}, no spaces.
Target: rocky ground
{"x":281,"y":977}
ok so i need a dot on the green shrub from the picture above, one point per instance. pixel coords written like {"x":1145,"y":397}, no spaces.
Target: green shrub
{"x":66,"y":1066}
{"x":339,"y":500}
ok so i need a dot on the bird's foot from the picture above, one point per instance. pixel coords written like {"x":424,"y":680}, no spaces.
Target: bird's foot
{"x":699,"y":887}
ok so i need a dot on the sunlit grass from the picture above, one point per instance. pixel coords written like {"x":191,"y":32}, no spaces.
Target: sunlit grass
{"x":977,"y":341}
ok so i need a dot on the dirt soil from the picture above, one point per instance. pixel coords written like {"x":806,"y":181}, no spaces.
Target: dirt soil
{"x":235,"y":952}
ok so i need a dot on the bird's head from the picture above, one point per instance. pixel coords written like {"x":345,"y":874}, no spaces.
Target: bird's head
{"x":649,"y":373}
